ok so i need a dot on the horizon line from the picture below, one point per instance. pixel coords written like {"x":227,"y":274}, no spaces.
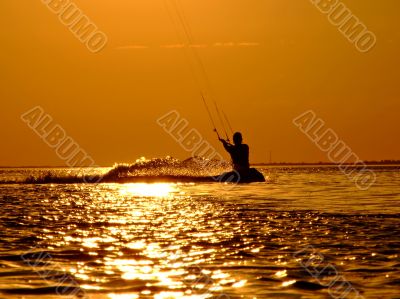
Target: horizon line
{"x":368,"y":162}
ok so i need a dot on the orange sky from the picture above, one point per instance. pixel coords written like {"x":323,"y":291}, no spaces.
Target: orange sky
{"x":280,"y":58}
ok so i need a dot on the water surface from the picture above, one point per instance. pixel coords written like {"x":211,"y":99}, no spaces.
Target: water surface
{"x":261,"y":240}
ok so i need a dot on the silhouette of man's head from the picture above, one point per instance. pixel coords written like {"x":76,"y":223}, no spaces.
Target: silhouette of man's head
{"x":237,"y":138}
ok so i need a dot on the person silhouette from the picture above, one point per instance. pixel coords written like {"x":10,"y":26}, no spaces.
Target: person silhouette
{"x":239,"y":153}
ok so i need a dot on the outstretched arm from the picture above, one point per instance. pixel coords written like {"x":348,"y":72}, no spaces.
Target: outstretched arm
{"x":226,"y":145}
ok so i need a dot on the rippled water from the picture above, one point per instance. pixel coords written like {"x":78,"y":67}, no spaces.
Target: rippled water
{"x":203,"y":240}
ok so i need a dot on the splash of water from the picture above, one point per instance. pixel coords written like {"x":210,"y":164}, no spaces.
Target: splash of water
{"x":194,"y":166}
{"x":168,"y":168}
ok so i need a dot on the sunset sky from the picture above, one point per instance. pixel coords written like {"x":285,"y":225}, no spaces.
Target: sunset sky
{"x":267,"y":61}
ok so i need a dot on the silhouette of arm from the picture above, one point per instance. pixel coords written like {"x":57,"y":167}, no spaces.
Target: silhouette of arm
{"x":227,"y":145}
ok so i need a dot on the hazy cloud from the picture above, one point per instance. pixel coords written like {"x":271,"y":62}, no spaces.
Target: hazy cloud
{"x":128,"y":47}
{"x":180,"y":46}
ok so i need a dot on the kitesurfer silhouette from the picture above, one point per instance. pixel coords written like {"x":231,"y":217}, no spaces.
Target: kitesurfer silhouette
{"x":239,"y":153}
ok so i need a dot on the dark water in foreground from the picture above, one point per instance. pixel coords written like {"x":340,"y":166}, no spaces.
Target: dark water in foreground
{"x":203,"y":240}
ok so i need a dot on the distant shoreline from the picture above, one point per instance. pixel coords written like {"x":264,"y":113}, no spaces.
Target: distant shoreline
{"x":377,"y":163}
{"x":370,"y":163}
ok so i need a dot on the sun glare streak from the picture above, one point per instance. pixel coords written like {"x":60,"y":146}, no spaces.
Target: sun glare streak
{"x":149,"y":190}
{"x":122,"y":296}
{"x":288,"y":283}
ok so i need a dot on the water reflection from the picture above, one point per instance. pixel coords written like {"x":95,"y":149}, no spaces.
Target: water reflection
{"x":189,"y":241}
{"x":153,"y":239}
{"x":148,"y":190}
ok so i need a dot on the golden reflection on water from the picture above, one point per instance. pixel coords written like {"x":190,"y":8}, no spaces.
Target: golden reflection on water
{"x":123,"y":296}
{"x":288,"y":283}
{"x":148,"y":190}
{"x":151,"y":236}
{"x":120,"y":241}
